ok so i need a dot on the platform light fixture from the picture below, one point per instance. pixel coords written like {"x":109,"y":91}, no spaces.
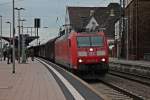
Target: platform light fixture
{"x":13,"y":9}
{"x":19,"y":9}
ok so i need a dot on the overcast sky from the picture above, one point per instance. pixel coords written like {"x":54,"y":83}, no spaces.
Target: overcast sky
{"x":47,"y":10}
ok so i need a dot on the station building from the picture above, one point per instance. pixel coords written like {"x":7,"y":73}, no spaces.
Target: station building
{"x":137,"y":14}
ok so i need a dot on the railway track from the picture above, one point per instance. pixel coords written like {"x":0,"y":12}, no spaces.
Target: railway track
{"x":114,"y":91}
{"x":133,"y":77}
{"x":119,"y":87}
{"x":123,"y":86}
{"x":113,"y":85}
{"x":110,"y":91}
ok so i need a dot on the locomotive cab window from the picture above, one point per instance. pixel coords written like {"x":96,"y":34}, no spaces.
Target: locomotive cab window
{"x":85,"y":41}
{"x":96,"y":41}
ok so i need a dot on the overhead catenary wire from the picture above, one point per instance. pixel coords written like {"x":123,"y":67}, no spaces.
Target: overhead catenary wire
{"x":9,"y":2}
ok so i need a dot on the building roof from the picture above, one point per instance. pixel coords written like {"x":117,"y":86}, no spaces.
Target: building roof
{"x":80,"y":16}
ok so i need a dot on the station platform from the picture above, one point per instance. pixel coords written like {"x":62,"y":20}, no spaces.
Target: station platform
{"x":33,"y":81}
{"x":30,"y":82}
{"x":130,"y":62}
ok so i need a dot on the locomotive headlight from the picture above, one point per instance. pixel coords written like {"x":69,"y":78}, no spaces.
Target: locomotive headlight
{"x":103,"y":60}
{"x":91,"y":50}
{"x":80,"y":60}
{"x":101,"y":53}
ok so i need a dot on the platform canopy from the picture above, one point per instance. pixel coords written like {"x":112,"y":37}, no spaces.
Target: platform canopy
{"x":28,"y":39}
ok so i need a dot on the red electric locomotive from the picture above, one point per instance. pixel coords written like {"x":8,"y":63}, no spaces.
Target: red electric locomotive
{"x":83,"y":51}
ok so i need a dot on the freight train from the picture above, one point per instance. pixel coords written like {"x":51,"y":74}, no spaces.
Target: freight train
{"x":78,"y":51}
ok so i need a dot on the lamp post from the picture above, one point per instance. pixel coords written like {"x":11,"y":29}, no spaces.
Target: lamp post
{"x":122,"y":26}
{"x":10,"y":32}
{"x":1,"y":41}
{"x":19,"y":9}
{"x":120,"y":43}
{"x":13,"y":36}
{"x":23,"y":44}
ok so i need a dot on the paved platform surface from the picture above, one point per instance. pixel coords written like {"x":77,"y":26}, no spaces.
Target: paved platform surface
{"x":31,"y":81}
{"x":131,"y":62}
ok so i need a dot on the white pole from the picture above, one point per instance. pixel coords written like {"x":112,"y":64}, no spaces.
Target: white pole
{"x":23,"y":45}
{"x":13,"y":37}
